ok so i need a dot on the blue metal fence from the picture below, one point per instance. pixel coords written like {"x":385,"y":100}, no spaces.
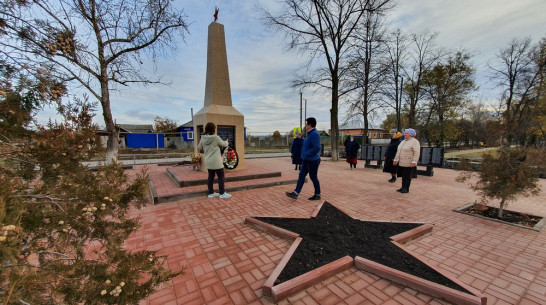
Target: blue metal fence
{"x":144,"y":140}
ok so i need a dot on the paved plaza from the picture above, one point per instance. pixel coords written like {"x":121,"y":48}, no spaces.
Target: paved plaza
{"x":227,"y":262}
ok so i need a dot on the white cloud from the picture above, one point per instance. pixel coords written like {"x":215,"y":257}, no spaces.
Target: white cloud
{"x":481,"y":27}
{"x":261,"y":69}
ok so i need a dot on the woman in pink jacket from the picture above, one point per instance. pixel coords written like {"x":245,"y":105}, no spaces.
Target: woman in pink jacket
{"x":406,"y":158}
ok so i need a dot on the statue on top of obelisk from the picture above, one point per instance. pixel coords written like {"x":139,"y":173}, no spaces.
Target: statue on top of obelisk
{"x":216,"y":10}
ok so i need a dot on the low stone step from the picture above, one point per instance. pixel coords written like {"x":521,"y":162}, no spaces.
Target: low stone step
{"x":252,"y":184}
{"x":203,"y":181}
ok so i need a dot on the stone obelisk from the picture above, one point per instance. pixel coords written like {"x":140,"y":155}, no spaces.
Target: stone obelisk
{"x":217,"y":106}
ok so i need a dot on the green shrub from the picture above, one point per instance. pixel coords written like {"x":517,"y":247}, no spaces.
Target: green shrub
{"x":506,"y":175}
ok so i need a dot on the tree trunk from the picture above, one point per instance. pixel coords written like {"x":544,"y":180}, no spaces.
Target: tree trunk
{"x":334,"y":124}
{"x":411,"y":116}
{"x":426,"y":129}
{"x":501,"y":208}
{"x":413,"y":100}
{"x":112,"y":146}
{"x":442,"y":133}
{"x":111,"y":129}
{"x":365,"y":138}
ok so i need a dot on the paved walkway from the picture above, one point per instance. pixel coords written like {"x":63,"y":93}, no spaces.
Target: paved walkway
{"x":227,"y":261}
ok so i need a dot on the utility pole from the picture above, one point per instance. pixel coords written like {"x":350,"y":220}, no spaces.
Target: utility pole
{"x":305,"y":116}
{"x":301,"y":97}
{"x":196,"y":135}
{"x":399,"y":106}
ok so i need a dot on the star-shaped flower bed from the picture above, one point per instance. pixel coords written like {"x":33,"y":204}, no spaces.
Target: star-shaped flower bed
{"x":331,"y":241}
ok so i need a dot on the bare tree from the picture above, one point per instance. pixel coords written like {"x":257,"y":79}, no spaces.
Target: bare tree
{"x":96,"y":44}
{"x":397,"y":44}
{"x":423,"y":55}
{"x":538,"y":129}
{"x":517,"y":71}
{"x":367,"y":71}
{"x":325,"y":30}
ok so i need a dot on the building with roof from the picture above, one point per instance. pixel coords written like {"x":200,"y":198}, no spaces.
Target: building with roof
{"x":132,"y":128}
{"x":356,"y":129}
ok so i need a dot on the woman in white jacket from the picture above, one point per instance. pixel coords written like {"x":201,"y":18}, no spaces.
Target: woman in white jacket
{"x":211,"y":143}
{"x":407,"y":156}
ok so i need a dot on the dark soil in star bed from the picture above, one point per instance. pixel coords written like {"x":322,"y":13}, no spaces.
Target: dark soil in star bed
{"x":333,"y":235}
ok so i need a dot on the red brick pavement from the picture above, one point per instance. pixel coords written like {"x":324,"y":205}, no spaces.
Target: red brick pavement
{"x":227,"y":261}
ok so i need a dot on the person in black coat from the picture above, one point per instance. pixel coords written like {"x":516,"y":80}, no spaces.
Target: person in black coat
{"x":390,"y":154}
{"x":296,"y":150}
{"x":351,"y":151}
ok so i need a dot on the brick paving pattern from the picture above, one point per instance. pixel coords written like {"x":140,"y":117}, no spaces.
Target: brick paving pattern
{"x":227,"y":262}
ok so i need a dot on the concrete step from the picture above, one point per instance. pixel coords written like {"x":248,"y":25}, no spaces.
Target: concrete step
{"x":177,"y":183}
{"x":184,"y":181}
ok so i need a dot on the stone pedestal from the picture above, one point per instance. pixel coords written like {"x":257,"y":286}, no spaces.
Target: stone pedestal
{"x":217,"y":107}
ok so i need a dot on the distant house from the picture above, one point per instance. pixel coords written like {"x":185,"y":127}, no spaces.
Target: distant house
{"x":185,"y":131}
{"x":131,"y":128}
{"x":139,"y":136}
{"x":356,"y":129}
{"x":180,"y":137}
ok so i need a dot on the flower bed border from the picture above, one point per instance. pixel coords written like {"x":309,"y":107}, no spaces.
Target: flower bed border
{"x":538,"y":227}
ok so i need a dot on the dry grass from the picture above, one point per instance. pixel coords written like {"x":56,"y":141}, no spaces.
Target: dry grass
{"x":471,"y":153}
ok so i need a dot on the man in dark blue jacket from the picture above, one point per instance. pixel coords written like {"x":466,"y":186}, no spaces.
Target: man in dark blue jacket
{"x":310,"y":160}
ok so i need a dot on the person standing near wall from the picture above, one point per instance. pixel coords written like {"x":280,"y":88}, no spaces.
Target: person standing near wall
{"x":351,"y":151}
{"x":295,"y":150}
{"x":390,"y":154}
{"x":407,"y":156}
{"x":310,"y":155}
{"x":211,"y":144}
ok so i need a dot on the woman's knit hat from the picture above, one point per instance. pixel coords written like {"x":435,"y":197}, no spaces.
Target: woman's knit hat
{"x":410,"y":131}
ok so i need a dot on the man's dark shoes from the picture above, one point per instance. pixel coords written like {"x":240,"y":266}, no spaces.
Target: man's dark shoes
{"x":404,"y":191}
{"x":292,"y":195}
{"x":315,"y":197}
{"x":393,"y":180}
{"x":400,"y":189}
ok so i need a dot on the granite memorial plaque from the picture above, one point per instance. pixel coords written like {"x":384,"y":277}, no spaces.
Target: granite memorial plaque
{"x":369,"y":155}
{"x":227,"y":132}
{"x":426,"y":153}
{"x":438,"y":156}
{"x":377,"y":153}
{"x":363,"y":152}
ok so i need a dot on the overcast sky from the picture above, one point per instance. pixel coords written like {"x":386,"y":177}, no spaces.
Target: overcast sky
{"x":261,"y":68}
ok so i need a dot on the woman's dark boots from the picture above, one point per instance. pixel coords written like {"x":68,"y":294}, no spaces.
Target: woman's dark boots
{"x":405,"y":186}
{"x":393,"y":179}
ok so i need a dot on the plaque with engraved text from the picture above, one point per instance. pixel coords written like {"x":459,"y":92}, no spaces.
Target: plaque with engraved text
{"x":227,"y":132}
